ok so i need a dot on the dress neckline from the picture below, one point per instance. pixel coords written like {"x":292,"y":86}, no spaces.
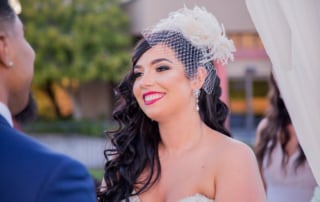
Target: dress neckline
{"x":191,"y":198}
{"x":197,"y":197}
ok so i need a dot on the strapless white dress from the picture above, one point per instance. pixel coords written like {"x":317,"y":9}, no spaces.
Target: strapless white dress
{"x":193,"y":198}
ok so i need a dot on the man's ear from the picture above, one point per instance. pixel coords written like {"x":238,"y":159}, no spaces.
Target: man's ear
{"x":2,"y":48}
{"x":199,"y":78}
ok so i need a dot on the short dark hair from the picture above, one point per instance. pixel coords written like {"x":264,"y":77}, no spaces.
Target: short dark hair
{"x":29,"y":113}
{"x":7,"y":14}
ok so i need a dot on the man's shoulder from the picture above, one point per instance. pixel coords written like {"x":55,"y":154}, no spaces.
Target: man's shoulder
{"x":17,"y":145}
{"x":23,"y":154}
{"x":25,"y":161}
{"x":17,"y":140}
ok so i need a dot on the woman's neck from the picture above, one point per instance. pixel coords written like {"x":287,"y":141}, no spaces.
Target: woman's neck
{"x":181,"y":133}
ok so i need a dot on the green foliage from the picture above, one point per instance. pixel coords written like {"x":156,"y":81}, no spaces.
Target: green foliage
{"x":94,"y":128}
{"x":97,"y":174}
{"x":77,"y":40}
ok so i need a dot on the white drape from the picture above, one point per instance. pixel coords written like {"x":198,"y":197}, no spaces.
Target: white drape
{"x":290,"y":32}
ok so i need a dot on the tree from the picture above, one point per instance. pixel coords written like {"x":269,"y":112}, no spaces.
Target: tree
{"x":77,"y":41}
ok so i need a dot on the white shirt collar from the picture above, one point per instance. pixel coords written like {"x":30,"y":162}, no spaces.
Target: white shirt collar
{"x":4,"y":111}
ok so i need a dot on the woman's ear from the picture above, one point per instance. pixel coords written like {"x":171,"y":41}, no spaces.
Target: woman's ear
{"x":199,"y":78}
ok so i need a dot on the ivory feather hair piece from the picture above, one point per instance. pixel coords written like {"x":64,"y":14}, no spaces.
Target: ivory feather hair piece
{"x":202,"y":29}
{"x":197,"y":39}
{"x":16,"y":6}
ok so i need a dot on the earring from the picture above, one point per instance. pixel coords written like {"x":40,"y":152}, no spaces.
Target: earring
{"x":10,"y":64}
{"x":196,"y":95}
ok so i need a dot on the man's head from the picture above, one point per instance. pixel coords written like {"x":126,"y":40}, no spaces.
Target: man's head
{"x":16,"y":60}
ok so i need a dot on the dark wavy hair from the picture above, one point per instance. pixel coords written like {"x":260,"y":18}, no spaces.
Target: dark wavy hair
{"x":135,"y":143}
{"x":278,"y":119}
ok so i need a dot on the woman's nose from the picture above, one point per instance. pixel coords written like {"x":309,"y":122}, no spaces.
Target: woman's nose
{"x":146,"y":79}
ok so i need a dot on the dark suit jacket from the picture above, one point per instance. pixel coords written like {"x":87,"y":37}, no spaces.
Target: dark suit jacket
{"x":30,"y":172}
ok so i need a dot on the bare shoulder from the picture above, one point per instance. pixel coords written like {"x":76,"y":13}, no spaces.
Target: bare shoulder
{"x":234,"y":150}
{"x":237,"y":172}
{"x":229,"y":151}
{"x":227,"y":145}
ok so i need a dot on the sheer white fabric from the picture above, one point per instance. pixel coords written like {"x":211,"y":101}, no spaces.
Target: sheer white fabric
{"x":290,"y":32}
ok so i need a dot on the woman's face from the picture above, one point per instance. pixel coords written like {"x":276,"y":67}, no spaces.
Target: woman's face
{"x":22,"y":55}
{"x":161,"y":87}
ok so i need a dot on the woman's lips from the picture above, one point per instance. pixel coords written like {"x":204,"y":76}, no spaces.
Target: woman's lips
{"x":152,"y":97}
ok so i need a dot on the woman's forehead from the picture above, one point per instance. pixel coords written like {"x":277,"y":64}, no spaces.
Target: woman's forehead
{"x":159,"y":51}
{"x":158,"y":54}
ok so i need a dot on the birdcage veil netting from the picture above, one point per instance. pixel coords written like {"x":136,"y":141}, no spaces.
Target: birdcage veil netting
{"x":197,"y":39}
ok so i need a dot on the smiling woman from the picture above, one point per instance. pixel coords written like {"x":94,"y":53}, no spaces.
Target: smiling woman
{"x":159,"y":80}
{"x":171,"y":144}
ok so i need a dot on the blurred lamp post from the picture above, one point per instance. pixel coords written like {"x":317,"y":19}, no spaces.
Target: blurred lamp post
{"x":250,"y":71}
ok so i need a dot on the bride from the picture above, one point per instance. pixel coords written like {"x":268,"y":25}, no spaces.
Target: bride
{"x":171,"y":144}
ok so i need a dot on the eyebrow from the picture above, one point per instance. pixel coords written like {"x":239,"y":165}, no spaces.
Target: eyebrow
{"x":155,"y":62}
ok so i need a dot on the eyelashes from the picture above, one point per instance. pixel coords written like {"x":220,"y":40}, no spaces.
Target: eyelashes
{"x":162,"y":68}
{"x":137,"y":73}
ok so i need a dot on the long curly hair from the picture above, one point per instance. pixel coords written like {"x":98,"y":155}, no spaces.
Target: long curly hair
{"x":276,"y":130}
{"x":135,"y":143}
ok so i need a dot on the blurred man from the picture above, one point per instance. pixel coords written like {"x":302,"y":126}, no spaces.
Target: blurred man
{"x":29,"y":171}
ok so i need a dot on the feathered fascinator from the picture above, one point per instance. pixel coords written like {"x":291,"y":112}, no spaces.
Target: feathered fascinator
{"x":197,"y":39}
{"x":202,"y":29}
{"x":16,"y":6}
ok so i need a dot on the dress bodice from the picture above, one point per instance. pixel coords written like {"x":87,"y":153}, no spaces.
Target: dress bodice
{"x":193,"y":198}
{"x":196,"y":198}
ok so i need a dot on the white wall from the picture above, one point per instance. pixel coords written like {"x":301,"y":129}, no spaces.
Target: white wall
{"x":232,"y":13}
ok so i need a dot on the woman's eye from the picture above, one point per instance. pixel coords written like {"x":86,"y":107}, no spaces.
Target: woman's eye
{"x":137,"y":74}
{"x":162,"y":68}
